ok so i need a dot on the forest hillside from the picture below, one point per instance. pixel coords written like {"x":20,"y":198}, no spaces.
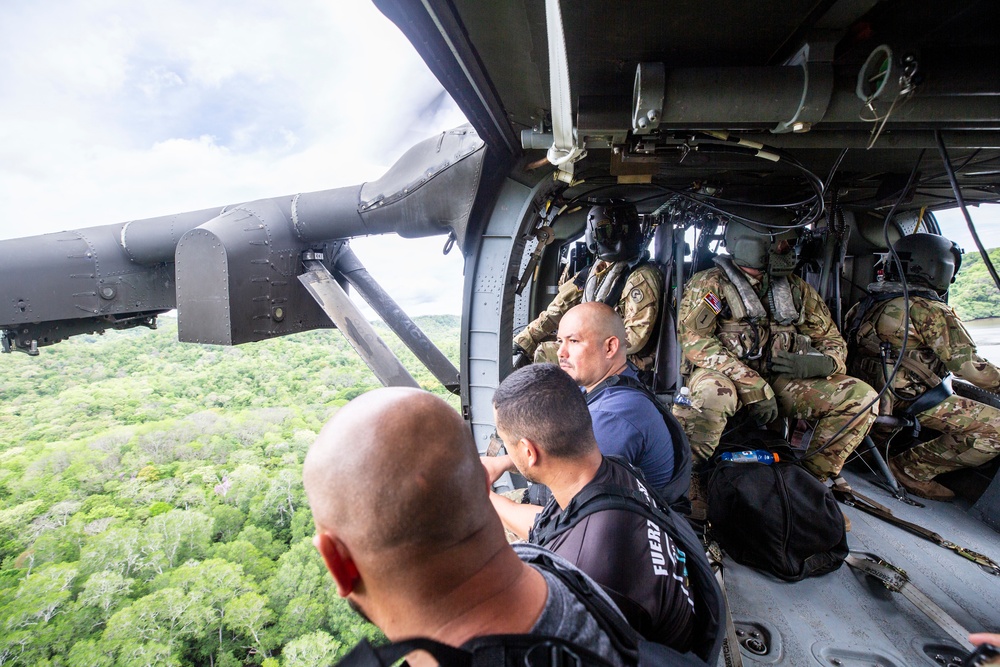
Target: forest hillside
{"x":151,"y":501}
{"x":974,"y":295}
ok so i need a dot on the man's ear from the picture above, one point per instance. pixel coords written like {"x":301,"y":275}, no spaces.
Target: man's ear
{"x":338,"y":561}
{"x":611,"y":346}
{"x":531,"y":452}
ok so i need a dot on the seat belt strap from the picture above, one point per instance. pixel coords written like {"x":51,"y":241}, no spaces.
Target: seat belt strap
{"x":930,"y":398}
{"x":852,"y":498}
{"x":896,"y":580}
{"x":731,"y":655}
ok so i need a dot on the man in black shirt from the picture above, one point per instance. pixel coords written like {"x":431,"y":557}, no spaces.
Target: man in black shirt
{"x":543,"y":419}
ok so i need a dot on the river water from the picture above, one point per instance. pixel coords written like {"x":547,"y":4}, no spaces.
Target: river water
{"x":986,"y":333}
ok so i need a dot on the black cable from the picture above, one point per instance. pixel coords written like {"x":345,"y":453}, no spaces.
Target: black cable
{"x":906,"y":314}
{"x":965,"y":211}
{"x":968,"y":162}
{"x":833,"y":170}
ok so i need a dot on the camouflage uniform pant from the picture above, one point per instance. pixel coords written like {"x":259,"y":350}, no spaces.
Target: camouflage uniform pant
{"x":970,"y":436}
{"x":834,"y":402}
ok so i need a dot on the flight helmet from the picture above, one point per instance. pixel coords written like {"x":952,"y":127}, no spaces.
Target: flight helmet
{"x":929,"y":259}
{"x":614,"y":232}
{"x":770,"y":249}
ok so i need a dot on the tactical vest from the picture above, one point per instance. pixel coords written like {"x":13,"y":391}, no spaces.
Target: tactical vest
{"x":752,"y":332}
{"x":674,"y":492}
{"x":615,"y":295}
{"x":645,"y":356}
{"x":866,"y":358}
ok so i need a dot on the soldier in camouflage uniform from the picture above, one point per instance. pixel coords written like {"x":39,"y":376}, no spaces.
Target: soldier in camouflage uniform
{"x":937,"y":344}
{"x":621,"y":278}
{"x":783,"y":358}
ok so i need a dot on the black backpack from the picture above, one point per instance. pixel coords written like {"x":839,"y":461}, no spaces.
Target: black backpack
{"x":777,"y":518}
{"x":709,"y":602}
{"x":675,"y":492}
{"x":528,"y":650}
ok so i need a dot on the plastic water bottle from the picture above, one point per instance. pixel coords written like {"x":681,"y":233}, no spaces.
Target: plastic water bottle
{"x":684,"y":397}
{"x":751,"y":456}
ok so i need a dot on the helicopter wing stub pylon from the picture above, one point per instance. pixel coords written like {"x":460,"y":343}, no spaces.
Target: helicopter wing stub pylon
{"x":335,"y":302}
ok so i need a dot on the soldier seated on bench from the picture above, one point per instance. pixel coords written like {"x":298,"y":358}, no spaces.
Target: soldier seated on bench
{"x":623,"y":278}
{"x":756,"y":336}
{"x":937,"y":345}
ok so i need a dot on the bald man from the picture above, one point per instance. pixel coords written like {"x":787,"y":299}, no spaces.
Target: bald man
{"x":627,"y":421}
{"x":409,"y":535}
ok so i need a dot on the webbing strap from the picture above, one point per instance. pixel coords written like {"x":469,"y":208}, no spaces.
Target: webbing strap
{"x":564,"y":150}
{"x":896,"y":580}
{"x":751,"y":302}
{"x":675,"y":491}
{"x":782,"y":302}
{"x":852,"y":498}
{"x":930,"y":398}
{"x":731,"y":655}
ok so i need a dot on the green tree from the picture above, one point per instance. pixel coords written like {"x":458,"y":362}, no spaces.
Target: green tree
{"x":125,"y":457}
{"x":41,"y":596}
{"x":214,"y":583}
{"x":974,"y":295}
{"x":254,"y":563}
{"x":228,"y":521}
{"x":249,"y":616}
{"x":315,"y":648}
{"x":166,"y":618}
{"x":105,"y":591}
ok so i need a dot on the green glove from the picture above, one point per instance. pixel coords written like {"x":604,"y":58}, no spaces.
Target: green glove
{"x":763,"y":412}
{"x":809,"y":364}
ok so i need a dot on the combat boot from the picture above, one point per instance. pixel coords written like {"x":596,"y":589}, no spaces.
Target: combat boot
{"x":930,"y":489}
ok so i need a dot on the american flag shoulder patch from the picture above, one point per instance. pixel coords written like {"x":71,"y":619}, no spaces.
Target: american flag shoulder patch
{"x":714,"y":302}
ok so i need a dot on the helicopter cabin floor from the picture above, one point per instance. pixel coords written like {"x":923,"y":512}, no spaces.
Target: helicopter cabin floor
{"x":847,"y":619}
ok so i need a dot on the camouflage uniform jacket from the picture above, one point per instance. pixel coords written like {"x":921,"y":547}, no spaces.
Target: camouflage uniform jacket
{"x":714,"y":333}
{"x":937,"y":343}
{"x":638,"y":306}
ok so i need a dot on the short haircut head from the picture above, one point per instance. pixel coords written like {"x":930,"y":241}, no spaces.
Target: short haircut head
{"x":542,"y":403}
{"x":601,"y":321}
{"x":396,"y":471}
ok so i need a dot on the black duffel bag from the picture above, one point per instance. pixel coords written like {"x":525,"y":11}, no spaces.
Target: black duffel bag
{"x":777,"y":518}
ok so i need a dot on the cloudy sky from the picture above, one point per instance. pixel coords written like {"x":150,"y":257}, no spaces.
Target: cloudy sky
{"x":112,"y":110}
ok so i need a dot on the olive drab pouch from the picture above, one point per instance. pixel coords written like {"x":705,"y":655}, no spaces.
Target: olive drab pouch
{"x":775,"y":517}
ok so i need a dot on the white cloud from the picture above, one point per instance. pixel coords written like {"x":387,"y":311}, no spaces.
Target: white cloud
{"x":985,"y":219}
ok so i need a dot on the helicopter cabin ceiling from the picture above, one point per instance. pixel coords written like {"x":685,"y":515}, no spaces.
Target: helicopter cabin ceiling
{"x":783,"y":73}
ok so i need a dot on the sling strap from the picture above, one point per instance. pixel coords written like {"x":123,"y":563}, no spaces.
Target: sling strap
{"x":709,"y":604}
{"x":731,"y":655}
{"x":931,"y":398}
{"x":675,"y":491}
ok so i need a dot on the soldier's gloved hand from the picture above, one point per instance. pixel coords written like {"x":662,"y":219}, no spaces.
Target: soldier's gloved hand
{"x":521,"y":357}
{"x":763,"y":412}
{"x":810,"y":364}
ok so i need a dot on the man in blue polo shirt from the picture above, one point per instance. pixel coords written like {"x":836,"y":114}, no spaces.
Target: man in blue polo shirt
{"x":626,"y":421}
